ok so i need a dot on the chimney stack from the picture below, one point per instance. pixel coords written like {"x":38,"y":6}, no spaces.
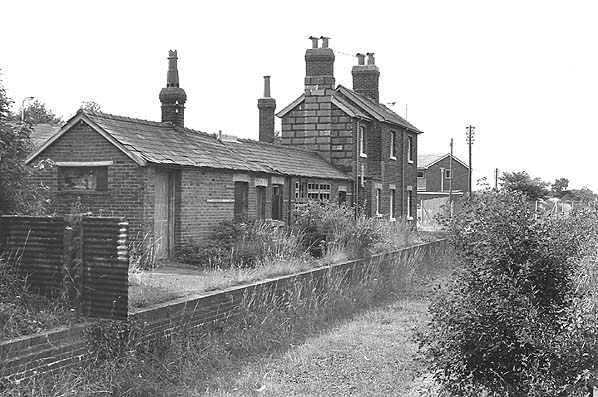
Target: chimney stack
{"x":319,"y":67}
{"x":173,"y":97}
{"x":366,"y":77}
{"x":266,"y":106}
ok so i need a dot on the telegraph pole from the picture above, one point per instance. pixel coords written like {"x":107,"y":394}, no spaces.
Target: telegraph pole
{"x":496,"y":178}
{"x":470,"y":133}
{"x":451,"y":180}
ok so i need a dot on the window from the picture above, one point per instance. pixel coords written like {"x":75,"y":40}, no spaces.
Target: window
{"x":83,"y":178}
{"x":393,"y":149}
{"x":420,"y":174}
{"x":300,"y":190}
{"x":362,"y":141}
{"x":318,"y":191}
{"x":409,"y":200}
{"x":447,"y":174}
{"x":377,"y":201}
{"x":410,"y":149}
{"x":392,"y":204}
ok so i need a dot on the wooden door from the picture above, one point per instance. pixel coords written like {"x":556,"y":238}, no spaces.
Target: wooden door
{"x":163,"y":214}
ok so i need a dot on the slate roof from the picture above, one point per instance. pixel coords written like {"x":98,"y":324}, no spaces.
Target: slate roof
{"x":284,"y":159}
{"x":42,"y":132}
{"x":357,"y":105}
{"x":151,"y":142}
{"x":427,"y":160}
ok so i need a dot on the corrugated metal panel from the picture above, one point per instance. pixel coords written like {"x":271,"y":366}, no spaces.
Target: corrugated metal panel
{"x":35,"y":245}
{"x":105,"y":268}
{"x":39,"y":246}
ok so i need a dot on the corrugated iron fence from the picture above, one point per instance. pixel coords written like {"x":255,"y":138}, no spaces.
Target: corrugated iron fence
{"x":85,"y":256}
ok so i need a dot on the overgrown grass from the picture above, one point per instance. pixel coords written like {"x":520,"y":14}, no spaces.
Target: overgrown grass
{"x":267,"y":326}
{"x":373,"y":354}
{"x":24,"y":313}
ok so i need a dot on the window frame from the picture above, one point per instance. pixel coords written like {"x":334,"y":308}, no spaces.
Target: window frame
{"x":447,"y":174}
{"x":101,"y":166}
{"x":361,"y":141}
{"x":393,"y":145}
{"x":410,"y":149}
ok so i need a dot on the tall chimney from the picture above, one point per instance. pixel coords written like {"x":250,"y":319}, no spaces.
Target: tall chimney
{"x":266,"y":106}
{"x":366,"y":77}
{"x":319,"y":67}
{"x":173,"y":97}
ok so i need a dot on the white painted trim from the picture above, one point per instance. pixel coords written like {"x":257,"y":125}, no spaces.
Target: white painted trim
{"x":342,"y":188}
{"x":392,"y":186}
{"x":261,"y":182}
{"x":83,"y":163}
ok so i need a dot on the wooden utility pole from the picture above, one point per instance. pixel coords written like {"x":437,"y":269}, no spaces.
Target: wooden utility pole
{"x":470,"y":133}
{"x":496,"y":178}
{"x":451,"y":180}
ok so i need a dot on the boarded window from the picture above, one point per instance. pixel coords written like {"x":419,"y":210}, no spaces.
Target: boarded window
{"x":277,"y":202}
{"x":261,"y":202}
{"x":241,"y":200}
{"x":83,"y":178}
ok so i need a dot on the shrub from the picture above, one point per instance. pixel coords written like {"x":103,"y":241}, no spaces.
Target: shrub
{"x":329,"y":227}
{"x":511,"y":321}
{"x":243,"y":245}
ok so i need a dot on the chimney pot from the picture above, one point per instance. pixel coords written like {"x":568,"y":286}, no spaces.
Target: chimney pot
{"x":371,"y":60}
{"x":266,"y":86}
{"x":360,"y":59}
{"x":314,"y":41}
{"x":325,"y":41}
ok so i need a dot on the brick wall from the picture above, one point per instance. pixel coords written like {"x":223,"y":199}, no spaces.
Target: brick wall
{"x":211,"y":193}
{"x":65,"y":347}
{"x":127,"y":181}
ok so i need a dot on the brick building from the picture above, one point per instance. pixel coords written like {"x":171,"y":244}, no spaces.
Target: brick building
{"x":175,"y":184}
{"x":437,"y":174}
{"x":355,"y":133}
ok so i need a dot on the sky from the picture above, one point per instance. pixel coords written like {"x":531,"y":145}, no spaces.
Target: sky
{"x":524,"y":73}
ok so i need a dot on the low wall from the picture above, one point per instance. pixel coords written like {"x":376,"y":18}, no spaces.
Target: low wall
{"x":90,"y":252}
{"x":25,"y":357}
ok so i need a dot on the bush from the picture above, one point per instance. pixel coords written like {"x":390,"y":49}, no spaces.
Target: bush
{"x":243,"y":245}
{"x":511,"y":321}
{"x":330,"y":227}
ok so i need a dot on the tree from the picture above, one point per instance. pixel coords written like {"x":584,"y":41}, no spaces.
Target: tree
{"x":534,"y":188}
{"x":581,"y":195}
{"x":35,"y":113}
{"x":91,"y":105}
{"x":559,"y":187}
{"x":17,"y":195}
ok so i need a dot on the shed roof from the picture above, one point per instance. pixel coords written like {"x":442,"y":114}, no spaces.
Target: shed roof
{"x":162,"y":143}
